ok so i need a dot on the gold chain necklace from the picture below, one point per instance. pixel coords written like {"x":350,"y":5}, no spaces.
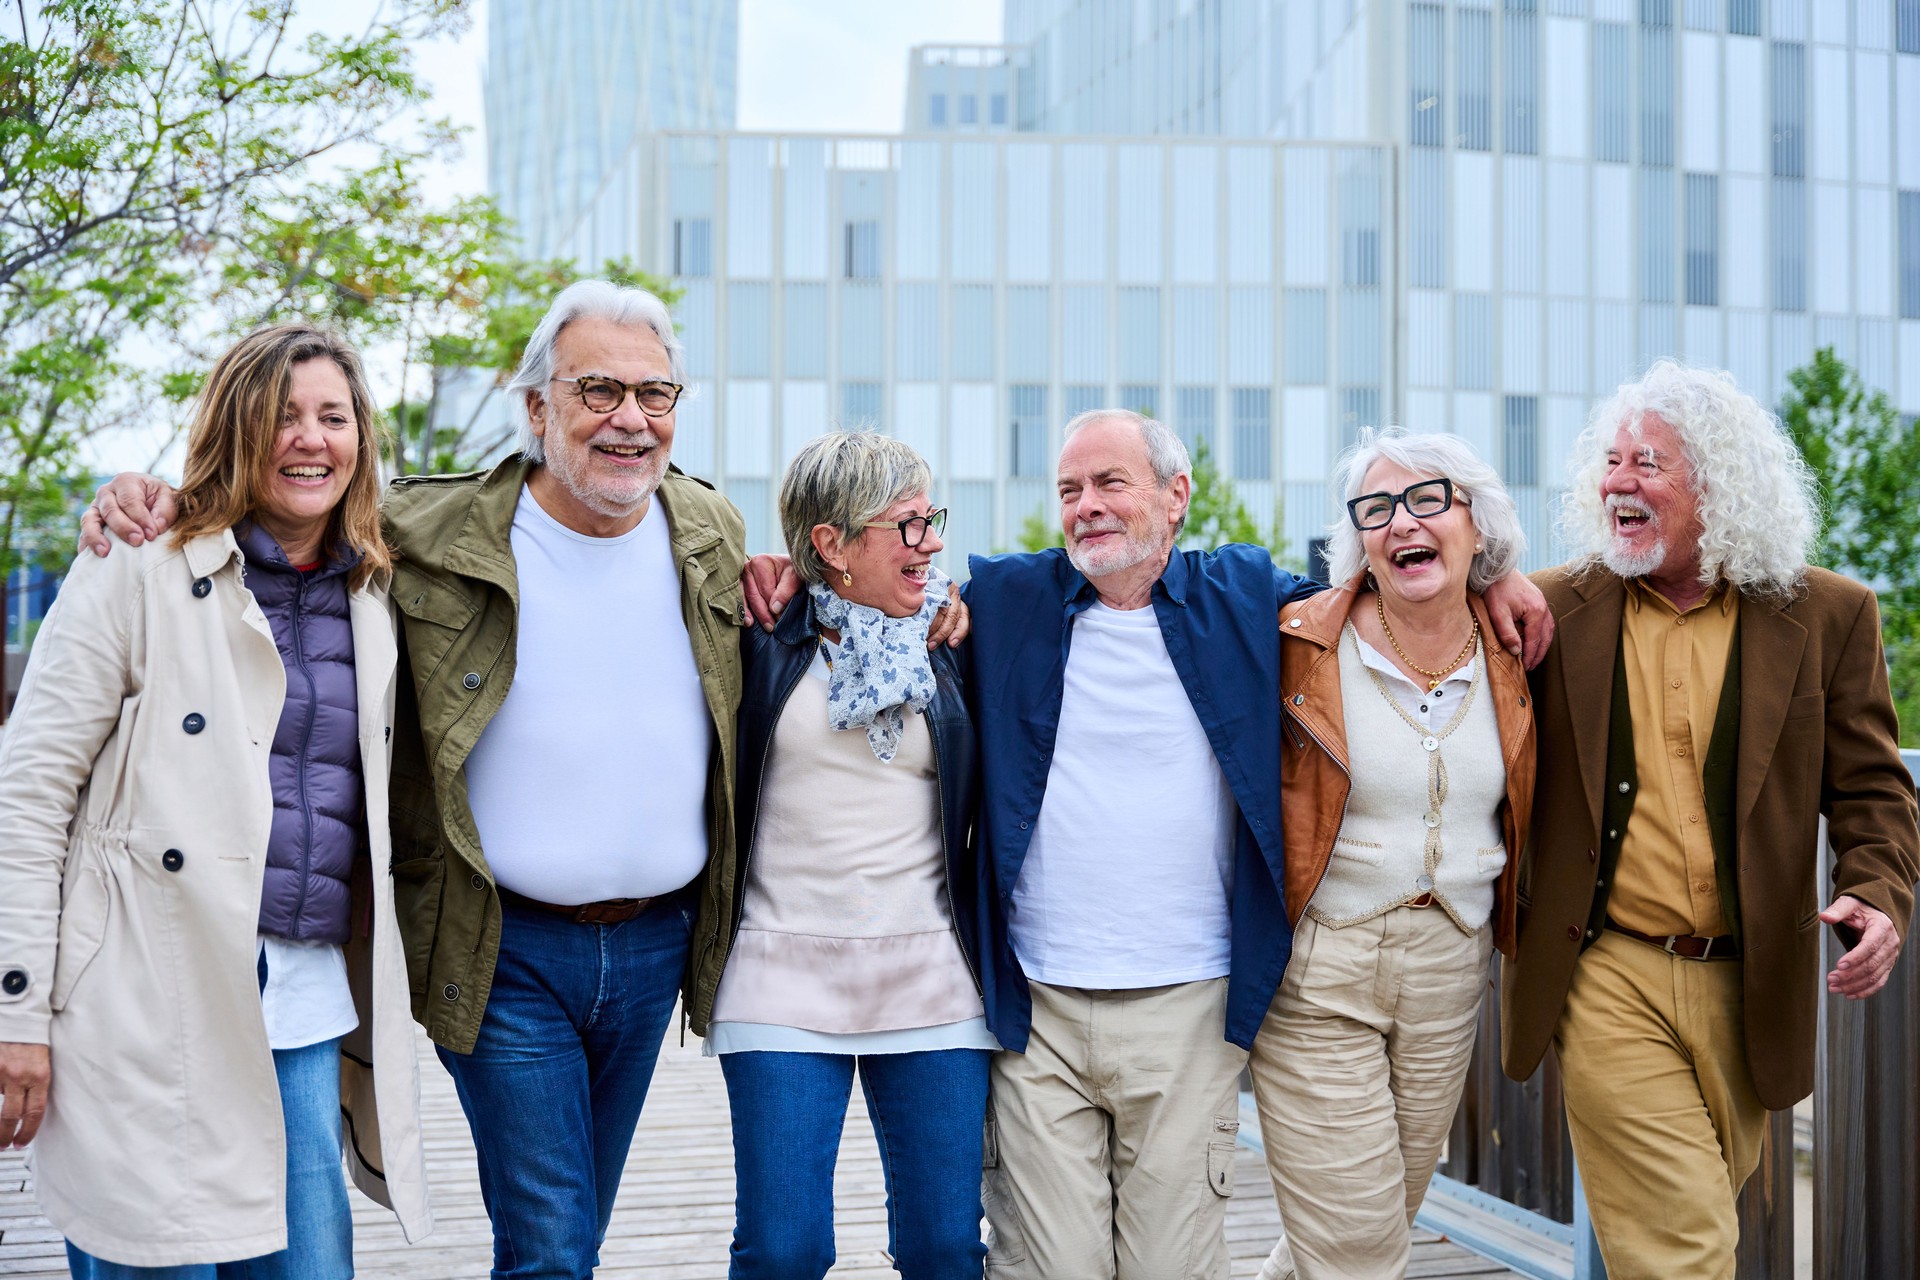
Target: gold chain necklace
{"x":1434,"y":678}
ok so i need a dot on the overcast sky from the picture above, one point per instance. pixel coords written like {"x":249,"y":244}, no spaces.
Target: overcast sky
{"x":804,"y":65}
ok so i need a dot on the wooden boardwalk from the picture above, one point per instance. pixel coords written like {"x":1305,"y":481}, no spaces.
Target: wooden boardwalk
{"x":674,"y":1218}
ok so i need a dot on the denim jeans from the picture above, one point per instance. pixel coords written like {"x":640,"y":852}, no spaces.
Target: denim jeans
{"x":928,"y":1112}
{"x":319,"y":1224}
{"x":554,"y":1085}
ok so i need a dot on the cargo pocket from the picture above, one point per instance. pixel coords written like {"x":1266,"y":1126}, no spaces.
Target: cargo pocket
{"x":1221,"y":1149}
{"x":1006,"y":1233}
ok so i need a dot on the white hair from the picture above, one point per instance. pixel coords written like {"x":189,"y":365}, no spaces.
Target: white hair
{"x":1758,"y":509}
{"x":1166,"y":452}
{"x":1434,"y":454}
{"x":622,"y":304}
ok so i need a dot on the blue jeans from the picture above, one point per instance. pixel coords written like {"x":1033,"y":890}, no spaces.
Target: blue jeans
{"x":928,"y":1111}
{"x":554,"y":1085}
{"x":319,"y":1224}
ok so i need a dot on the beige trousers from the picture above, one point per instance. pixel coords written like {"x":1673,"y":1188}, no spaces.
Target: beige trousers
{"x":1110,"y":1141}
{"x":1665,"y":1123}
{"x":1358,"y":1071}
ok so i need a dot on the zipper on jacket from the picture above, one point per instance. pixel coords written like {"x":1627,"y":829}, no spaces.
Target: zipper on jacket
{"x":306,"y":746}
{"x":1305,"y":728}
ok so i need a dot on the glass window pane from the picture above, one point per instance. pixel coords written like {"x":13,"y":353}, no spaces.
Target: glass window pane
{"x":1522,"y":84}
{"x":1789,"y":111}
{"x":806,"y":325}
{"x":748,"y":331}
{"x":1910,"y":258}
{"x":1305,"y":339}
{"x":1359,"y":407}
{"x":1520,"y":442}
{"x":937,"y":110}
{"x":974,"y":201}
{"x":1360,"y":218}
{"x":1656,"y":242}
{"x":1083,"y":339}
{"x":972,"y":350}
{"x":1789,"y":244}
{"x":860,"y":406}
{"x":1029,"y":354}
{"x":916,"y":340}
{"x":860,"y":250}
{"x":1611,"y":136}
{"x":1081,"y":399}
{"x":1703,"y":240}
{"x":918,"y":205}
{"x":1743,"y":17}
{"x":693,"y":247}
{"x":1193,"y":419}
{"x":1139,"y":346}
{"x":1656,"y":96}
{"x":1427,"y":219}
{"x":1473,"y":65}
{"x":862,"y":331}
{"x":1426,"y":74}
{"x":1141,"y":398}
{"x":1252,"y":433}
{"x":1027,"y":441}
{"x":1473,"y":341}
{"x":1906,"y":26}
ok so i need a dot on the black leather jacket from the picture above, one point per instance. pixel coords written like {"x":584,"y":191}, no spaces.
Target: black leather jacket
{"x":775,"y":663}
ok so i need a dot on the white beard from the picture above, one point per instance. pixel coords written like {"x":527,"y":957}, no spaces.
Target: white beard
{"x":1097,"y":562}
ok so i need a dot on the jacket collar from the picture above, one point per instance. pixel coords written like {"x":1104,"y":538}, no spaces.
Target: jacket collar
{"x":796,"y":625}
{"x":1172,"y":582}
{"x":1321,"y":617}
{"x":209,"y":553}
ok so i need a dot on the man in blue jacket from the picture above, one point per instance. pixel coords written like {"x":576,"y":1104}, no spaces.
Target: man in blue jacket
{"x":1127,"y":699}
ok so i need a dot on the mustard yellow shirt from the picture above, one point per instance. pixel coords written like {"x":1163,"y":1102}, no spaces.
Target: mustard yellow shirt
{"x":1676,"y":662}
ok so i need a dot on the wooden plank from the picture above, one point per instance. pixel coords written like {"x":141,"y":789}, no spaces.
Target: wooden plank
{"x":673,"y":1219}
{"x":1765,"y":1207}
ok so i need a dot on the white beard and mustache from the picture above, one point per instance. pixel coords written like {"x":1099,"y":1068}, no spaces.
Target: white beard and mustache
{"x":1631,"y":562}
{"x":1108,"y":558}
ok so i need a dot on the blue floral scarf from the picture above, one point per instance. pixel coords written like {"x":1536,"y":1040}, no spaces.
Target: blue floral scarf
{"x":880,"y":666}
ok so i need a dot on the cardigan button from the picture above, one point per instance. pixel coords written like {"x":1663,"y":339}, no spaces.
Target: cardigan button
{"x":173,"y":859}
{"x":194,"y":723}
{"x":451,"y":991}
{"x":1424,"y":883}
{"x":15,"y":982}
{"x":202,"y":587}
{"x":472,"y":681}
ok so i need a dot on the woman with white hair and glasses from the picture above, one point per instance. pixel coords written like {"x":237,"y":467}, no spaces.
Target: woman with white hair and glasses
{"x":1407,"y":772}
{"x":850,"y":945}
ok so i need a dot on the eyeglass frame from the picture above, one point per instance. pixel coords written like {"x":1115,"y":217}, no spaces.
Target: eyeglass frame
{"x":926,"y":522}
{"x":626,"y":389}
{"x":1398,"y":500}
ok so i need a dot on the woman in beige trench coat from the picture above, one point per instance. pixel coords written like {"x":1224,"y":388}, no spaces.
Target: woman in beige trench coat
{"x":203,"y":995}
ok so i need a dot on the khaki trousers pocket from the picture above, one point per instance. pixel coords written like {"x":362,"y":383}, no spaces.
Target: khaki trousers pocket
{"x":1007,"y":1236}
{"x":1220,"y":1168}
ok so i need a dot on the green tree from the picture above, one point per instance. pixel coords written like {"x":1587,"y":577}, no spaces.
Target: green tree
{"x":1866,"y":464}
{"x":137,"y":141}
{"x":1215,"y":515}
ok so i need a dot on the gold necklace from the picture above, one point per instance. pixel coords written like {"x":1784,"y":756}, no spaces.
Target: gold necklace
{"x":1433,"y":677}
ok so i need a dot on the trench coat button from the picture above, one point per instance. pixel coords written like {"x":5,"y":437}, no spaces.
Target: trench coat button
{"x":451,"y":991}
{"x":1573,"y":932}
{"x":14,"y":982}
{"x":472,"y":681}
{"x":479,"y":881}
{"x":173,"y":859}
{"x":194,"y":723}
{"x":202,"y":587}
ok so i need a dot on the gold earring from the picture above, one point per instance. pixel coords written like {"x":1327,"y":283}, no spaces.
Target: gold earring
{"x":846,"y":578}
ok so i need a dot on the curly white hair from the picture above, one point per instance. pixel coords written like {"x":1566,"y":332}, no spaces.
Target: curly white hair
{"x":1758,"y":506}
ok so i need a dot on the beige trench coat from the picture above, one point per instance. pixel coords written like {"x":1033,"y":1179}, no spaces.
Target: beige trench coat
{"x":134,"y":812}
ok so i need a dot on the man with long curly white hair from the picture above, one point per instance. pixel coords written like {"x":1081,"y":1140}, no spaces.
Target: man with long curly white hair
{"x":1710,"y":697}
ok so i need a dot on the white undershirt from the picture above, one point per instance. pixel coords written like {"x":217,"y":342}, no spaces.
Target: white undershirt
{"x":306,"y":998}
{"x":590,"y":782}
{"x":1126,"y":882}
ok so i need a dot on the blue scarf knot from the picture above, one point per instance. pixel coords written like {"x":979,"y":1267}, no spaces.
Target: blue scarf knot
{"x":880,"y":666}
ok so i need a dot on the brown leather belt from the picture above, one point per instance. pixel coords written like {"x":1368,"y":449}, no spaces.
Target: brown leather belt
{"x":610,"y":911}
{"x":1686,"y":945}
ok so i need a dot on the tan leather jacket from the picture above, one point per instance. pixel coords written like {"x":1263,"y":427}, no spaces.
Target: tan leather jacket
{"x":1314,"y":778}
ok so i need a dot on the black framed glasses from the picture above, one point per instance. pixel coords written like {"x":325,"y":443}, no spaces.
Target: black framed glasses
{"x":1423,"y":501}
{"x":602,"y":394}
{"x":913,"y":530}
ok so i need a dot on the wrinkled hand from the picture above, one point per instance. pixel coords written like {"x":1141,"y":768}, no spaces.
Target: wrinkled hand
{"x":1521,"y":620}
{"x":26,"y":1072}
{"x":133,"y":507}
{"x":951,"y":624}
{"x":1865,"y":968}
{"x":769,"y":582}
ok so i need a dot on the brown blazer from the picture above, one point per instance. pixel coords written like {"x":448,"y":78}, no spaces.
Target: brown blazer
{"x":1817,"y":736}
{"x":1314,"y":778}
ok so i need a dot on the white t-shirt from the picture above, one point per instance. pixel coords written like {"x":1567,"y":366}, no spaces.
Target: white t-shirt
{"x":1126,"y":882}
{"x":590,"y":782}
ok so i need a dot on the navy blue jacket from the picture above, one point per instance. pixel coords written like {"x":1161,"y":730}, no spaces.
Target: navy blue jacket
{"x":319,"y":823}
{"x":777,"y":662}
{"x":1219,"y":614}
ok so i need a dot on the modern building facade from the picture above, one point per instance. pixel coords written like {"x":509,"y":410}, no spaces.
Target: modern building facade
{"x":1275,"y":223}
{"x":571,"y":85}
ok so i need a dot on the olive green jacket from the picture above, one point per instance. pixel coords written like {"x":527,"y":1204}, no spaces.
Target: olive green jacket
{"x":455,"y":591}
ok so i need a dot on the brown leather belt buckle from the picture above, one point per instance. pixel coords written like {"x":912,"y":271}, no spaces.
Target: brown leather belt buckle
{"x":1686,"y":946}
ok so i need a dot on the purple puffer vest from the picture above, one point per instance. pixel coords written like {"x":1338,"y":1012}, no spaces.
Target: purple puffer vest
{"x":318,"y":815}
